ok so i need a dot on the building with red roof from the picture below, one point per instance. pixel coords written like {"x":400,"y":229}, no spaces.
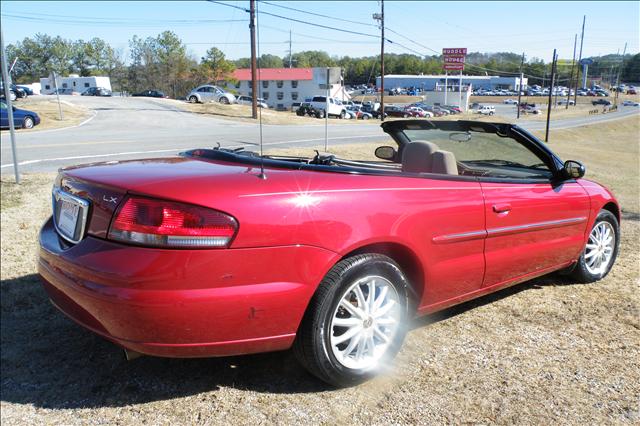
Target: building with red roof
{"x":280,"y":88}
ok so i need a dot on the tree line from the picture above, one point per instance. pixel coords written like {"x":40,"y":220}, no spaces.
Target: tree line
{"x":164,"y":63}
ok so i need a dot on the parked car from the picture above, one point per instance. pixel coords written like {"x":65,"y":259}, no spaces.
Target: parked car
{"x":248,"y":100}
{"x":510,"y":102}
{"x":97,"y":91}
{"x":630,"y":103}
{"x":336,"y":109}
{"x":197,"y":255}
{"x":604,"y":102}
{"x":306,"y":108}
{"x":22,"y":118}
{"x":564,"y":102}
{"x":631,"y":91}
{"x":65,"y":91}
{"x":210,"y":93}
{"x":150,"y":94}
{"x":12,"y":93}
{"x":487,"y":110}
{"x":530,"y":108}
{"x":26,"y":89}
{"x":601,"y":92}
{"x":395,"y":111}
{"x":420,"y":112}
{"x":360,"y":113}
{"x":19,"y":91}
{"x":295,"y":106}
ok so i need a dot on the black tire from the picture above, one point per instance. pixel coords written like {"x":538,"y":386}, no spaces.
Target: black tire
{"x":365,"y":117}
{"x":580,"y":272}
{"x":300,"y":113}
{"x":320,"y":114}
{"x":342,"y":115}
{"x":312,"y":345}
{"x":193,"y":99}
{"x":28,"y":122}
{"x":405,"y":115}
{"x":224,"y":100}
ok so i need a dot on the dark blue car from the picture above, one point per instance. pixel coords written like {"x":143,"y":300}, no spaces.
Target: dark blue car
{"x":22,"y":118}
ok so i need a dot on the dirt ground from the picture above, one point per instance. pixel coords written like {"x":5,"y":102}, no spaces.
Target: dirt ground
{"x":47,"y":109}
{"x":549,"y":351}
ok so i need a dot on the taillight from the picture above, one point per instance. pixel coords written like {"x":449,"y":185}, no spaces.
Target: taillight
{"x":151,"y":222}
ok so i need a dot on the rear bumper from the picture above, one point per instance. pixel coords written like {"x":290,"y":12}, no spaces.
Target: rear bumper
{"x":183,"y":303}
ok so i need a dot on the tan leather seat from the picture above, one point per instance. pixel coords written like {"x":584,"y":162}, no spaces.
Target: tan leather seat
{"x":424,"y":157}
{"x":417,"y":157}
{"x":444,"y":162}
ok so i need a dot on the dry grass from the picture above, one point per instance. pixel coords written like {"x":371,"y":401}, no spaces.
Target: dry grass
{"x":243,"y":113}
{"x":610,"y":152}
{"x":47,"y":109}
{"x":546,"y":352}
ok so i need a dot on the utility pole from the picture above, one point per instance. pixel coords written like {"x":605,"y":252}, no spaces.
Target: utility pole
{"x":7,"y":95}
{"x":520,"y":85}
{"x":290,"y":51}
{"x":254,"y":80}
{"x":615,"y":99}
{"x":575,"y":95}
{"x":573,"y":64}
{"x":380,"y":17}
{"x":552,"y":79}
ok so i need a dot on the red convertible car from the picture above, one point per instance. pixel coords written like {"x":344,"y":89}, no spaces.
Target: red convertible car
{"x":221,"y":252}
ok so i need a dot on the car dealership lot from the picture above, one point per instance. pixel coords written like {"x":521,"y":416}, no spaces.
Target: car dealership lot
{"x":125,"y":128}
{"x":548,"y":351}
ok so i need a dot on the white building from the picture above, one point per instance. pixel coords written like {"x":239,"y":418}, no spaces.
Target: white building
{"x":281,"y":87}
{"x":73,"y":82}
{"x":430,"y":82}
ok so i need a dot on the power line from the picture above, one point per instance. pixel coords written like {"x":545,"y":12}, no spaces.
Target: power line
{"x":299,"y":21}
{"x":116,"y":22}
{"x":319,"y":14}
{"x":414,"y":42}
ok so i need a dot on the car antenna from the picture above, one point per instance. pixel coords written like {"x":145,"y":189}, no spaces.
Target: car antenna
{"x":262,"y":175}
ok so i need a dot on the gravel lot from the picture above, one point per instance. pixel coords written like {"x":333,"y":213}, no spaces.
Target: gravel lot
{"x":547,"y":351}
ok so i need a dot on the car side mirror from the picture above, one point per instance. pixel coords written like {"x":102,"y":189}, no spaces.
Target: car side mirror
{"x":386,"y":153}
{"x":573,"y":169}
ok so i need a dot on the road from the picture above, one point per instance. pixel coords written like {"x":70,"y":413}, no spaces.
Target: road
{"x":125,"y":128}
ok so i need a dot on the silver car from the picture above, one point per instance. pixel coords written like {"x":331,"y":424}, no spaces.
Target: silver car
{"x":210,"y":93}
{"x":247,"y":100}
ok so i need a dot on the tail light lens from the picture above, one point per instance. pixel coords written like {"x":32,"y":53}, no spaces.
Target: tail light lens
{"x":159,"y":223}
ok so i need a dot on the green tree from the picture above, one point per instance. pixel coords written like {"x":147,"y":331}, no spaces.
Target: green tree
{"x":215,"y":67}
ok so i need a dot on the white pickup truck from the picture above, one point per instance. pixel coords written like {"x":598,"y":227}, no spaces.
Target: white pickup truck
{"x":487,"y":110}
{"x":336,"y":108}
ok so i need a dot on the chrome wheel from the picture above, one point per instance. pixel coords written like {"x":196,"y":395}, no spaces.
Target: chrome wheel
{"x":365,"y":322}
{"x":600,"y":248}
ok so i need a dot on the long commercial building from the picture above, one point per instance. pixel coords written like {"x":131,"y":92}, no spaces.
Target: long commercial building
{"x":433,"y":82}
{"x":280,"y":87}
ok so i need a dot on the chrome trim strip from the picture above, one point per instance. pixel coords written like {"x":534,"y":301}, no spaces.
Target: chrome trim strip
{"x":496,"y":232}
{"x":534,"y":226}
{"x":464,"y":236}
{"x":56,"y":195}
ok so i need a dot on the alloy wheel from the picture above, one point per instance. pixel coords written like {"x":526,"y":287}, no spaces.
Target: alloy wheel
{"x":365,"y":322}
{"x":600,"y":248}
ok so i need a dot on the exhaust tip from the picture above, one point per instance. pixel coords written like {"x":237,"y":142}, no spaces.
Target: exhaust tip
{"x":130,"y":355}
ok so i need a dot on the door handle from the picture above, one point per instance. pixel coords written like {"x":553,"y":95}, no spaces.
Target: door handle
{"x":502,"y":208}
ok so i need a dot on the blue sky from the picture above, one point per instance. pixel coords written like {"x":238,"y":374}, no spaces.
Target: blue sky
{"x":533,"y":27}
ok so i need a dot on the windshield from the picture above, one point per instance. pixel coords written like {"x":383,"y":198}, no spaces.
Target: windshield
{"x":460,"y":148}
{"x":481,"y":153}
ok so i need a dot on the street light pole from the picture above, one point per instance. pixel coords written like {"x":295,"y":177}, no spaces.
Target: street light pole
{"x":380,"y":17}
{"x":7,"y":96}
